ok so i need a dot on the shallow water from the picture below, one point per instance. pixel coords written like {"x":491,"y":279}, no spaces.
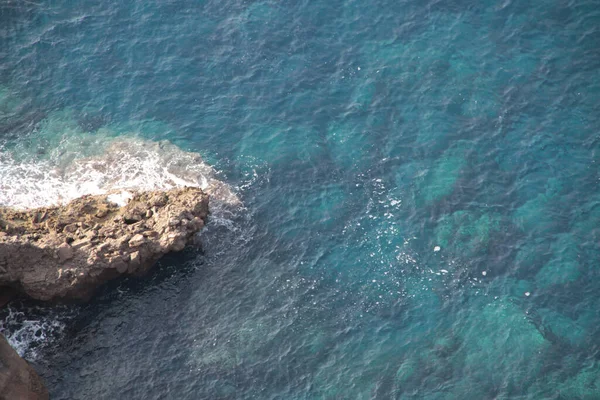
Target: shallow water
{"x":407,"y":199}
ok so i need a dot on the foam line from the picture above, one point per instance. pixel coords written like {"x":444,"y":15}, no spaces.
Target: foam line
{"x":127,"y":164}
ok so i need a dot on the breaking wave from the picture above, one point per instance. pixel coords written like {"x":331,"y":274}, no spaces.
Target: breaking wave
{"x":125,"y":164}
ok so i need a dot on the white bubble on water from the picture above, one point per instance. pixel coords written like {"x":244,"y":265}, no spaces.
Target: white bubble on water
{"x":27,"y":334}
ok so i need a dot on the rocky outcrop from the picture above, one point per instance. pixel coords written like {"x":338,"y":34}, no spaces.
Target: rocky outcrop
{"x":18,"y":380}
{"x":66,"y":252}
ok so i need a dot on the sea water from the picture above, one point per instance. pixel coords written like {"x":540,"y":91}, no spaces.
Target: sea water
{"x":405,"y":194}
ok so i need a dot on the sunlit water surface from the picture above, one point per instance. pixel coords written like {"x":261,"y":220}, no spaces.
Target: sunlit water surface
{"x":405,"y":194}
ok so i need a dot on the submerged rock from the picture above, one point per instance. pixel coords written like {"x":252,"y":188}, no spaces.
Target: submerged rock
{"x":498,"y":342}
{"x":564,"y":267}
{"x":66,"y":252}
{"x":18,"y":380}
{"x":441,"y":178}
{"x":465,"y":232}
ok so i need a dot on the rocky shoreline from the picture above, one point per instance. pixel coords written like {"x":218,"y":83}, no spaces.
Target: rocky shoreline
{"x":66,"y":252}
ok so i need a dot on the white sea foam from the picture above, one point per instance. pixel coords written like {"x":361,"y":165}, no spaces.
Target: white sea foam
{"x":126,"y":164}
{"x":27,"y":333}
{"x":118,"y":166}
{"x":120,"y":198}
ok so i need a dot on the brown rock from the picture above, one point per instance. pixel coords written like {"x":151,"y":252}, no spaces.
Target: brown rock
{"x":132,"y":218}
{"x":121,"y":266}
{"x":135,"y":259}
{"x":159,"y":200}
{"x":38,"y":259}
{"x":64,"y":252}
{"x":71,"y":228}
{"x":137,"y":240}
{"x":18,"y":380}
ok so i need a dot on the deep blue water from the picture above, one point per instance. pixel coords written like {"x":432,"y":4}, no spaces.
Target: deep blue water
{"x":420,"y":183}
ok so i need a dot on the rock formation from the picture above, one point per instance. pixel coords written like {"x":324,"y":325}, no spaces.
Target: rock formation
{"x":18,"y":380}
{"x":66,"y":252}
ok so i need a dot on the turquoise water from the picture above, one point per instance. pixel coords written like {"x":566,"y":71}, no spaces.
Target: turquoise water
{"x":420,"y":205}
